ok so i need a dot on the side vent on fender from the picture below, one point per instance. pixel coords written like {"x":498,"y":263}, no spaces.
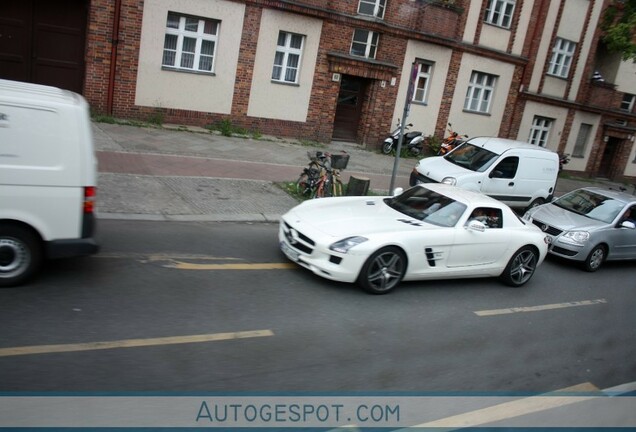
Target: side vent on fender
{"x":430,"y":256}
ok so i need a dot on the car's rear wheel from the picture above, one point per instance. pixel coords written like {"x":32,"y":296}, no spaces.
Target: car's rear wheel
{"x":521,"y":267}
{"x":383,"y":271}
{"x":595,"y":258}
{"x":20,"y":255}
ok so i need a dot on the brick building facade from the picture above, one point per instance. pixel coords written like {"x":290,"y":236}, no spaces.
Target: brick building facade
{"x":505,"y":49}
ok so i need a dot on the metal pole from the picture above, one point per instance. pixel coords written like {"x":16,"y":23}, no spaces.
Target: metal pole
{"x":405,"y":114}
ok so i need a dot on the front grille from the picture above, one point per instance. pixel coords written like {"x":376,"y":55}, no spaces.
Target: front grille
{"x":298,"y":240}
{"x":548,"y":229}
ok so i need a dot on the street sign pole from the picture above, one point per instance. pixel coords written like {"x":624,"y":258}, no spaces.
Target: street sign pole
{"x":405,"y":114}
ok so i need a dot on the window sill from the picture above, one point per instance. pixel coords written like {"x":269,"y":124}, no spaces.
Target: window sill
{"x":564,"y":78}
{"x":190,"y":71}
{"x":291,"y":84}
{"x":421,"y":103}
{"x":487,"y":114}
{"x":497,"y":26}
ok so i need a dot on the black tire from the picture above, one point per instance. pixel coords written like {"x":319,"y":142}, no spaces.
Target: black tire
{"x":387,"y":147}
{"x":383,"y":271}
{"x":535,"y":203}
{"x":20,"y":255}
{"x":521,"y":267}
{"x":302,"y":185}
{"x":415,"y":151}
{"x":595,"y":258}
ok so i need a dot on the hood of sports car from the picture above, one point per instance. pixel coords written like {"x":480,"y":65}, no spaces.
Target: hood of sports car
{"x":343,"y":217}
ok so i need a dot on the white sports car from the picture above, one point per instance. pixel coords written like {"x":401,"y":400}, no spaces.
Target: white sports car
{"x":432,"y":231}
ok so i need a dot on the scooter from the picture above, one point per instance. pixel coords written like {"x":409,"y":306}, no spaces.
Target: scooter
{"x":412,"y":140}
{"x":451,"y":141}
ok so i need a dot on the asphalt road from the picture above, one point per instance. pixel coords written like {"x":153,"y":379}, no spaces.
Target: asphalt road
{"x":176,"y":306}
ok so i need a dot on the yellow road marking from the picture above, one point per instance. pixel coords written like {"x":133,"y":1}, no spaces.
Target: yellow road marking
{"x":244,"y":266}
{"x":514,"y":408}
{"x":132,"y":343}
{"x":540,"y":307}
{"x":177,"y":262}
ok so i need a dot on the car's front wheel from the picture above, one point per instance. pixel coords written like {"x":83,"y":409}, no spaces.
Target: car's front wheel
{"x":521,"y":267}
{"x":383,"y":271}
{"x":20,"y":255}
{"x":595,"y":258}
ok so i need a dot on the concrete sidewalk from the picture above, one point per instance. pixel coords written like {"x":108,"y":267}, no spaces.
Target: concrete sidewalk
{"x":174,"y":173}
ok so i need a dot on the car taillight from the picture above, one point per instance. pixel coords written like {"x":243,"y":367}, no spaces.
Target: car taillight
{"x":89,"y":199}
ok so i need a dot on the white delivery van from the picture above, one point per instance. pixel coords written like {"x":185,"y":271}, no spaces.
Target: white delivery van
{"x":517,"y":173}
{"x":48,"y":176}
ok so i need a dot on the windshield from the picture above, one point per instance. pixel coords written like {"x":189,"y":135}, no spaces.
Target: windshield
{"x":591,"y":204}
{"x":471,"y":157}
{"x":427,"y":206}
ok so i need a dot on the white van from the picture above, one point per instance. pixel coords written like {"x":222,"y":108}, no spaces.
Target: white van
{"x":517,"y":173}
{"x":48,"y":177}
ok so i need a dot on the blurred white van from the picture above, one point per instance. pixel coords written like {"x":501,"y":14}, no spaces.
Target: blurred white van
{"x":48,"y":178}
{"x":517,"y":173}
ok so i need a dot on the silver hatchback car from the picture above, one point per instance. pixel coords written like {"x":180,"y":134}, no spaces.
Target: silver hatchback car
{"x":589,"y":225}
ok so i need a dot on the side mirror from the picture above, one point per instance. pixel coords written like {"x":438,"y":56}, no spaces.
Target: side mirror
{"x":496,"y":174}
{"x":397,"y":191}
{"x":410,"y":124}
{"x":628,"y":224}
{"x":475,"y":225}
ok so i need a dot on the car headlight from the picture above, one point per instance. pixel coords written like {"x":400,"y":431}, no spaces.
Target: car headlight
{"x":344,"y":245}
{"x":576,"y":238}
{"x":449,"y":181}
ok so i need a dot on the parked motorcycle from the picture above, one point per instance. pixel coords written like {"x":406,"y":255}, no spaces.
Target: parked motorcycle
{"x":451,"y":141}
{"x":412,"y":141}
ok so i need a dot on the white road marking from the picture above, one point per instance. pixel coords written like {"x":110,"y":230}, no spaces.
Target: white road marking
{"x":540,"y":307}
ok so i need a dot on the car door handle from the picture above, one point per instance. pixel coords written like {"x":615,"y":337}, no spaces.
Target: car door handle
{"x":511,"y":184}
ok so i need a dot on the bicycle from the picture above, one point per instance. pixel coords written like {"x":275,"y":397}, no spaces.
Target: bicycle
{"x":330,"y":184}
{"x":322,"y":176}
{"x":307,"y":182}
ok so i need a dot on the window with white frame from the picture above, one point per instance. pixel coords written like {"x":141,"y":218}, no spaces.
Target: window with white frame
{"x":540,"y":131}
{"x":190,"y":43}
{"x":287,"y":59}
{"x":373,"y":8}
{"x":480,"y":91}
{"x":424,"y":70}
{"x":365,"y":43}
{"x":581,"y":140}
{"x":562,"y":55}
{"x":627,"y":104}
{"x":499,"y":12}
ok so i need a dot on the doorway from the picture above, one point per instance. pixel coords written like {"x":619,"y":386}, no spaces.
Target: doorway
{"x":349,"y":108}
{"x":43,"y":41}
{"x":609,"y":156}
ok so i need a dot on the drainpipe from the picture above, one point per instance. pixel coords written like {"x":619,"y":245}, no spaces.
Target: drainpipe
{"x":113,"y":58}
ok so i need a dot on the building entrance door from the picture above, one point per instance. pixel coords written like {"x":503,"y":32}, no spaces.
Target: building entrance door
{"x":609,"y":155}
{"x":43,"y":41}
{"x":349,"y":108}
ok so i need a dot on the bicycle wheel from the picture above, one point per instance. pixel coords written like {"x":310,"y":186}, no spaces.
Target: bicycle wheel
{"x":337,"y":187}
{"x":303,"y":186}
{"x":323,"y":189}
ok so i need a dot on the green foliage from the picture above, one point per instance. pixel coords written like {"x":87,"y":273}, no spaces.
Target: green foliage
{"x":156,"y":118}
{"x":619,"y":25}
{"x":100,"y":118}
